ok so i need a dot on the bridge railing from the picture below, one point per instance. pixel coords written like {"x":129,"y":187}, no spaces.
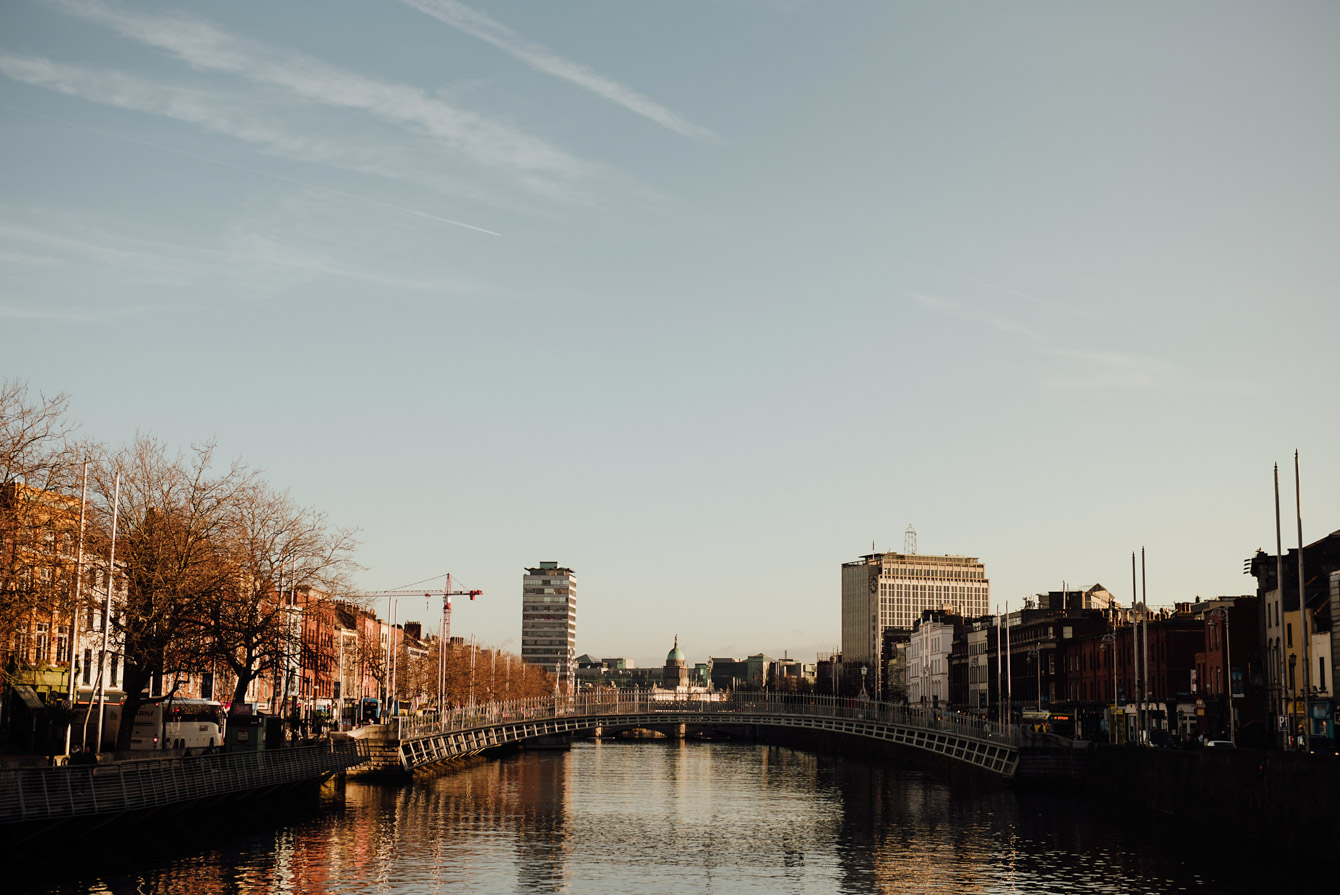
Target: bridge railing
{"x":621,"y":702}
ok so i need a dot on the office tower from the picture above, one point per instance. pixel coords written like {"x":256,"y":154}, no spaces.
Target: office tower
{"x":549,"y":618}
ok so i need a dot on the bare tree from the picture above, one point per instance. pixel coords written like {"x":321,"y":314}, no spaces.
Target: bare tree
{"x":37,"y":472}
{"x":277,"y":550}
{"x":174,"y":514}
{"x":482,"y":675}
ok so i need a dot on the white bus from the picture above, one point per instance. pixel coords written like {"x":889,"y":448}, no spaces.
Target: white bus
{"x":174,"y":724}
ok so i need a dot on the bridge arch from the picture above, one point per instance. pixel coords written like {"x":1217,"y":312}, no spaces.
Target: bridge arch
{"x":430,"y":739}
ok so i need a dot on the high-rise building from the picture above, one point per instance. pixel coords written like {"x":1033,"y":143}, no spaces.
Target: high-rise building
{"x":891,"y":590}
{"x":549,"y":618}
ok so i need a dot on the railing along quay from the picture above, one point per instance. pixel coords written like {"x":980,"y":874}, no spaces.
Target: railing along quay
{"x":35,"y":794}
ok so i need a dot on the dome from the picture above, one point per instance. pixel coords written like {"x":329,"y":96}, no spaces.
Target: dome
{"x":675,"y":655}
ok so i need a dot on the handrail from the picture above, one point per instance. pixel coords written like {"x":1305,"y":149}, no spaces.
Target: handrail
{"x":74,"y":791}
{"x":636,"y":702}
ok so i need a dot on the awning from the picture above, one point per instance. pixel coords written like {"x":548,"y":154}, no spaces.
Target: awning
{"x":29,"y":698}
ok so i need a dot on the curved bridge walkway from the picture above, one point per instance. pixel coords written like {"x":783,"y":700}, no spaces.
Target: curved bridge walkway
{"x":427,"y":739}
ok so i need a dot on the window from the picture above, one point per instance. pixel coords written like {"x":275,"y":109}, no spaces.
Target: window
{"x":88,"y":666}
{"x":42,"y":643}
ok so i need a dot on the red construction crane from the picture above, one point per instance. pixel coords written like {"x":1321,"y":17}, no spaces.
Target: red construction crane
{"x":446,"y":594}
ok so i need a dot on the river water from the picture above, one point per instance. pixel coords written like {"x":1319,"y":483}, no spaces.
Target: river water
{"x":671,"y":817}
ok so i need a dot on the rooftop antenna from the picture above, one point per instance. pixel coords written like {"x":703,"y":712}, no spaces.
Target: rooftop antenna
{"x":910,"y":540}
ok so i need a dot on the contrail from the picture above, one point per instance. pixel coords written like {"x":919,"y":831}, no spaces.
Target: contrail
{"x":258,"y":172}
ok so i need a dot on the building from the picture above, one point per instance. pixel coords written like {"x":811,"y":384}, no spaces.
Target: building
{"x":1105,"y":665}
{"x":928,"y":657}
{"x":549,"y":619}
{"x":676,"y":671}
{"x":729,"y":673}
{"x":1226,"y":698}
{"x":892,"y":590}
{"x":982,"y":674}
{"x":1293,"y":675}
{"x":1094,"y":597}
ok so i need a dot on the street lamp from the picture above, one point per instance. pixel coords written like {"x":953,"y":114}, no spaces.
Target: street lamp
{"x":1036,"y":658}
{"x":1222,"y":613}
{"x":1110,"y":642}
{"x":1293,"y":698}
{"x":973,"y":687}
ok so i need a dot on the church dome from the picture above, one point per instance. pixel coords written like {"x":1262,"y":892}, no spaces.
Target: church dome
{"x":676,"y":654}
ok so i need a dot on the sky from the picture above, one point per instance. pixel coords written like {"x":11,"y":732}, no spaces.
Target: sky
{"x":700,"y":299}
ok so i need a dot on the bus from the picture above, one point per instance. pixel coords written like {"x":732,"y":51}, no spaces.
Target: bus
{"x":1059,"y":723}
{"x":174,"y":724}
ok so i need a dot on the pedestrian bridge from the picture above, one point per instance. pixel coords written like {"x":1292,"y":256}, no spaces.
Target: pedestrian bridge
{"x":425,"y":740}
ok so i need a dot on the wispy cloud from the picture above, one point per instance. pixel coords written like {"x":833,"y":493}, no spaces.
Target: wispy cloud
{"x":94,"y":272}
{"x":484,"y":142}
{"x":1093,"y":368}
{"x":485,"y":28}
{"x":1107,"y":369}
{"x":936,"y":303}
{"x":58,"y":77}
{"x":208,"y":110}
{"x":43,"y":312}
{"x":958,"y":309}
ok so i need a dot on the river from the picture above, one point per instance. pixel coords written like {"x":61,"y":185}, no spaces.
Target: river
{"x":670,"y":817}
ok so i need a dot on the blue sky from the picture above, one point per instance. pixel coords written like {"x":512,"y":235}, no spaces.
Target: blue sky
{"x":697,"y":298}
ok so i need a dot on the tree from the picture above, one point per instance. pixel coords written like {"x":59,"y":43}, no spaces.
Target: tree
{"x":37,"y":475}
{"x":276,"y":550}
{"x":170,"y":548}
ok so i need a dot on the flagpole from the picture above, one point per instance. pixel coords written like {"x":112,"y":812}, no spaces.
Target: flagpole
{"x":73,"y":693}
{"x":1144,"y":651}
{"x":1285,"y":706}
{"x":107,"y":617}
{"x":1135,"y":658}
{"x":1305,"y":621}
{"x":1000,"y":669}
{"x":1009,"y":670}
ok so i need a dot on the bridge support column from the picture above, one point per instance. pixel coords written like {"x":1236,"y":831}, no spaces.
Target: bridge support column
{"x":680,"y":730}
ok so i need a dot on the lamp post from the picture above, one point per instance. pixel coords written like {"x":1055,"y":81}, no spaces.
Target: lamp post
{"x":1036,"y":658}
{"x":1110,"y":641}
{"x":1293,"y":700}
{"x":972,"y":684}
{"x":1222,"y":613}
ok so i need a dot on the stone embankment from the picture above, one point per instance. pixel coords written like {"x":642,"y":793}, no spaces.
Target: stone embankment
{"x":48,"y":804}
{"x":1282,"y":799}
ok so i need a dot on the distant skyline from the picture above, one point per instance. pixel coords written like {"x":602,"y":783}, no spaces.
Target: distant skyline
{"x":698,"y":299}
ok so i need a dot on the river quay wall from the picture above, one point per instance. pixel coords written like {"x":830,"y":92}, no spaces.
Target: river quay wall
{"x":1278,"y":799}
{"x":1258,"y":799}
{"x":42,"y":806}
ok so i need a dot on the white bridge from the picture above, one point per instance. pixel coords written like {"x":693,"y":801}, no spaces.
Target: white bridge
{"x":425,"y":740}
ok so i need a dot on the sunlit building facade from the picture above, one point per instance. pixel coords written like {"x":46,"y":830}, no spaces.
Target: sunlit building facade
{"x":891,"y":590}
{"x":549,"y":618}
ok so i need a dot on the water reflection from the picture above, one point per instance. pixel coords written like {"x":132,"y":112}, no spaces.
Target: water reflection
{"x":673,"y":816}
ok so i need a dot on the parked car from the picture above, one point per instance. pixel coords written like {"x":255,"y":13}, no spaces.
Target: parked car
{"x":1219,"y":744}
